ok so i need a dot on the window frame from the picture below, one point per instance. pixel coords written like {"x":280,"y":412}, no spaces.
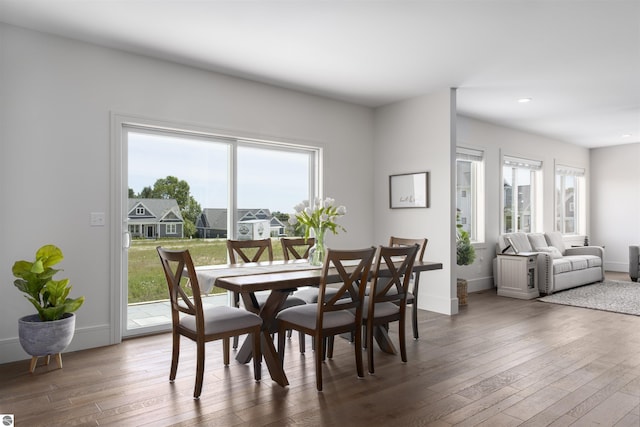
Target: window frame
{"x":476,"y":188}
{"x":535,"y":169}
{"x":121,"y":238}
{"x":562,"y":171}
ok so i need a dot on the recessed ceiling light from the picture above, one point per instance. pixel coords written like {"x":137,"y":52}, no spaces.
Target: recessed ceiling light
{"x":524,"y":100}
{"x":626,"y":135}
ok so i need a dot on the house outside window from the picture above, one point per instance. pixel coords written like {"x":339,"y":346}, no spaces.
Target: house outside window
{"x":139,"y":211}
{"x":171,"y":229}
{"x":521,"y":194}
{"x":470,"y":191}
{"x":570,"y":200}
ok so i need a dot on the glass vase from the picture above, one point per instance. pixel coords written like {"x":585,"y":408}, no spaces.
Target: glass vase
{"x":318,"y":250}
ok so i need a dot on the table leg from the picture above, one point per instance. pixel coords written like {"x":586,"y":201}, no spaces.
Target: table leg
{"x":268,"y":313}
{"x":381,"y":335}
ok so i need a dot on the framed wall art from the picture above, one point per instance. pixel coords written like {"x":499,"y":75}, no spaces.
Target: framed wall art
{"x":409,"y":190}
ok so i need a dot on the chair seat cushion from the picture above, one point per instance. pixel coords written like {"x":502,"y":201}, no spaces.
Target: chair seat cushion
{"x":310,"y":294}
{"x":306,"y":316}
{"x":222,"y":319}
{"x":291,"y":300}
{"x":382,"y":309}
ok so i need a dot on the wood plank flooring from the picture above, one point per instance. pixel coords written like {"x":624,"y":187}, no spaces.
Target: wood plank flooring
{"x":500,"y":362}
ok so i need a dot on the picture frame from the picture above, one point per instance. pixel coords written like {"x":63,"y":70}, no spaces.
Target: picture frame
{"x":409,"y":190}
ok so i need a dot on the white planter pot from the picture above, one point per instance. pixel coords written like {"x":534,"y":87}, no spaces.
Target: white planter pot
{"x":40,"y":338}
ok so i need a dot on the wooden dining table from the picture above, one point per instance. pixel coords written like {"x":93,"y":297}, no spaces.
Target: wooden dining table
{"x":280,"y":278}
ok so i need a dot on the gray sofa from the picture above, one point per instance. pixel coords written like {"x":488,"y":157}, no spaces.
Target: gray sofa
{"x":558,"y":267}
{"x":634,"y":262}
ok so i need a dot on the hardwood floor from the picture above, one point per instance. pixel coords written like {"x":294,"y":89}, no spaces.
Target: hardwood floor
{"x":500,"y":362}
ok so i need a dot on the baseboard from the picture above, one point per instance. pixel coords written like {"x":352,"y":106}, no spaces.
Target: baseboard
{"x":621,"y":267}
{"x":84,"y":338}
{"x":438,"y":304}
{"x":480,"y":284}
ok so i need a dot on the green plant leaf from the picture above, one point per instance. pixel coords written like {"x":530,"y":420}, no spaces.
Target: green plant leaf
{"x":49,"y":255}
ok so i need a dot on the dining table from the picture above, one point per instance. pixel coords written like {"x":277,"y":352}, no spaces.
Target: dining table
{"x":279,"y":278}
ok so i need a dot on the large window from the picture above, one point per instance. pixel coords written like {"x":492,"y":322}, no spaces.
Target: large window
{"x":470,"y":191}
{"x":521,"y":194}
{"x":570,"y":200}
{"x":193,"y":189}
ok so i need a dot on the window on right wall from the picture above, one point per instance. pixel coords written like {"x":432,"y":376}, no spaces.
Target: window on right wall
{"x":570,"y":200}
{"x":521,"y":194}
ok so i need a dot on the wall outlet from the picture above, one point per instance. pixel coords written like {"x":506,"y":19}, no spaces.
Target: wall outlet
{"x":97,"y":219}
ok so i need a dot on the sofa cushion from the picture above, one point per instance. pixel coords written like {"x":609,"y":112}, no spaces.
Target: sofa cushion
{"x":555,"y":253}
{"x":561,"y":265}
{"x":537,"y":241}
{"x":555,"y":239}
{"x":593,"y":261}
{"x":578,"y":262}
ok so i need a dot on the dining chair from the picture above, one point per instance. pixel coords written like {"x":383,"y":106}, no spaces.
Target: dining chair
{"x":387,"y":299}
{"x":191,"y":320}
{"x":329,"y":317}
{"x":244,"y":251}
{"x":412,"y":294}
{"x":297,"y":248}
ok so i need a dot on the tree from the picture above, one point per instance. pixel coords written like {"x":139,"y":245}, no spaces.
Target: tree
{"x":173,"y":188}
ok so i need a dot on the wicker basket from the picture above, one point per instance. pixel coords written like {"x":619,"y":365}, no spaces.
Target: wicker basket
{"x":462,"y":292}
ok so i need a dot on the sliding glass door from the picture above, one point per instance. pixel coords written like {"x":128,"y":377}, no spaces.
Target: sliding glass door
{"x":193,"y":190}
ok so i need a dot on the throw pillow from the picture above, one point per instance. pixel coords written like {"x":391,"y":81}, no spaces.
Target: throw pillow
{"x":555,"y":239}
{"x":555,"y":253}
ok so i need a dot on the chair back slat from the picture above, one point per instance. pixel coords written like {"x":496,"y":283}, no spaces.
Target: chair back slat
{"x":392,"y":273}
{"x":353,"y":280}
{"x":296,"y":248}
{"x":401,"y":241}
{"x":175,"y":264}
{"x":242,"y":251}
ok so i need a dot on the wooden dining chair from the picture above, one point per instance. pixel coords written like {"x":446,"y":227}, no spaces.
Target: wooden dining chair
{"x":387,"y":299}
{"x":191,"y":320}
{"x":329,"y":317}
{"x":412,"y":295}
{"x":296,"y":247}
{"x":244,"y":251}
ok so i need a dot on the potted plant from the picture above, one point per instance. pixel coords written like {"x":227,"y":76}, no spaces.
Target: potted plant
{"x":466,"y":254}
{"x":50,"y":330}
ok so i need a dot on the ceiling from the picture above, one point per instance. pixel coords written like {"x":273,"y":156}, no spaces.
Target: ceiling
{"x":578,"y":61}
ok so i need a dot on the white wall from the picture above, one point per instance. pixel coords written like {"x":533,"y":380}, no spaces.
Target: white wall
{"x":57,"y":97}
{"x":416,"y":136}
{"x":493,"y":139}
{"x":615,"y":202}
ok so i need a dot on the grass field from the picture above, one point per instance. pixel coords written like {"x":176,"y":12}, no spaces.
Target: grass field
{"x":146,"y":279}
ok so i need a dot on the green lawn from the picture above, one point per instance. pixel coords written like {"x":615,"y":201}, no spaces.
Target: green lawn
{"x":146,"y":279}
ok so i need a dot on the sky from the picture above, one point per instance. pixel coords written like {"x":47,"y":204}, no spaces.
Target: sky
{"x":273,"y":179}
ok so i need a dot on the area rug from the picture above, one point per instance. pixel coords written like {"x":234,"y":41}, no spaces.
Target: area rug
{"x":610,"y":295}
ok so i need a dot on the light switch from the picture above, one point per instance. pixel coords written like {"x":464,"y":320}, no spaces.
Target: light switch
{"x":97,"y":219}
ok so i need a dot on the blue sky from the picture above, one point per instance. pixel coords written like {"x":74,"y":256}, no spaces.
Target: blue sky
{"x":273,"y":179}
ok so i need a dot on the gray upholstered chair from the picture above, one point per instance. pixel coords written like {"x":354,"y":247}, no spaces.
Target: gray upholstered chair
{"x":634,"y":262}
